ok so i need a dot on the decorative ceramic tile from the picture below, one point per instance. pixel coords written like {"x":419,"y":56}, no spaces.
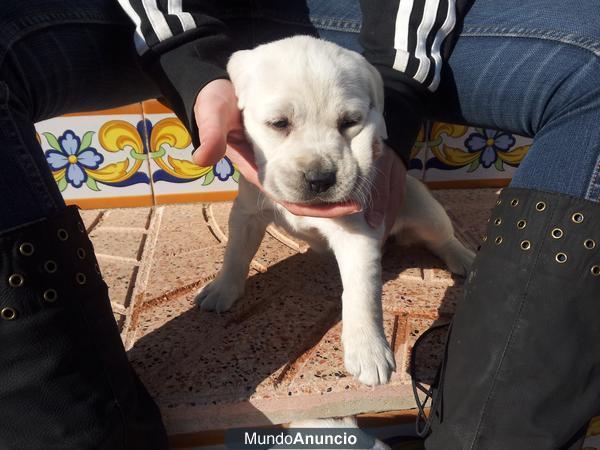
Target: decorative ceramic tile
{"x":460,"y":156}
{"x":175,"y":177}
{"x":592,"y":437}
{"x":98,"y":159}
{"x":141,"y":154}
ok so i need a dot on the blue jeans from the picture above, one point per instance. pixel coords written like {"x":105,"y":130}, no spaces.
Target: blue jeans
{"x":532,"y":69}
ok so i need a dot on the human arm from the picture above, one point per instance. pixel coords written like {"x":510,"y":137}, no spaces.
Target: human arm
{"x":409,"y":43}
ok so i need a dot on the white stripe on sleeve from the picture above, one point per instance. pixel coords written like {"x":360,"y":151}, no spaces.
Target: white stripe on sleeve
{"x":401,"y":35}
{"x":429,"y":15}
{"x":157,"y":20}
{"x":187,"y":21}
{"x":442,"y":33}
{"x":138,"y":37}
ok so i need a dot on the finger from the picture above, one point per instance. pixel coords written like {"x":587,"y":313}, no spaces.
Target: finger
{"x":242,"y":156}
{"x":212,"y":132}
{"x":327,"y":210}
{"x":380,"y":193}
{"x":396,"y":195}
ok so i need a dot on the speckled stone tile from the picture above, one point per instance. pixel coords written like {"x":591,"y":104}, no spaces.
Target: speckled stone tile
{"x":126,"y":218}
{"x":119,"y":276}
{"x":429,"y":352}
{"x":124,"y":243}
{"x":177,"y":236}
{"x":276,"y":355}
{"x":91,"y":217}
{"x":169,"y":274}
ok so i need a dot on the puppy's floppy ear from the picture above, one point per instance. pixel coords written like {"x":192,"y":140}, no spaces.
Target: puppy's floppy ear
{"x":377,"y":96}
{"x":239,"y":68}
{"x":368,"y":144}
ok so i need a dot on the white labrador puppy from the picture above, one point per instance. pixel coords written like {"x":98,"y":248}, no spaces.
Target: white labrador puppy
{"x":313,"y":113}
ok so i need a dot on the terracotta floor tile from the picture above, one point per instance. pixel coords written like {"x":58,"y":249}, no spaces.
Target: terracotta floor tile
{"x":119,"y":276}
{"x":91,"y":217}
{"x":169,"y":274}
{"x":218,"y":216}
{"x":177,"y":237}
{"x":126,"y":218}
{"x":277,"y":354}
{"x":120,"y":243}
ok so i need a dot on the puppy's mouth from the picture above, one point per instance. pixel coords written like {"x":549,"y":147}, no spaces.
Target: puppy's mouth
{"x":322,"y":189}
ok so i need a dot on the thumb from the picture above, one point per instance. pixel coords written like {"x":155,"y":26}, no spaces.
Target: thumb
{"x":212,"y":131}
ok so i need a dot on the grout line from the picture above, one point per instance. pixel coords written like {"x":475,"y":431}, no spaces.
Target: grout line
{"x":122,"y":229}
{"x":212,"y":224}
{"x":143,"y":275}
{"x":118,"y":258}
{"x":284,"y":239}
{"x":146,"y":139}
{"x":118,"y":308}
{"x":96,"y":221}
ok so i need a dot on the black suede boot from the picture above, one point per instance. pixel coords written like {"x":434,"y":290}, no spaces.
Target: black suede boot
{"x":522,"y":368}
{"x":65,"y":381}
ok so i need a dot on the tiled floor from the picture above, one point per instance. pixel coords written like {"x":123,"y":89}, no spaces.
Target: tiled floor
{"x":276,"y":356}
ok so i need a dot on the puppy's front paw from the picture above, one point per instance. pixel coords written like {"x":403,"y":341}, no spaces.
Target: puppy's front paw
{"x":457,"y":257}
{"x":368,"y":357}
{"x":219,"y":295}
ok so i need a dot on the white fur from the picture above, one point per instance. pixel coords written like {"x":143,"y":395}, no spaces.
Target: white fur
{"x":313,"y":83}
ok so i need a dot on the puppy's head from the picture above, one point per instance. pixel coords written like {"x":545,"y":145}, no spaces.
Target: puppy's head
{"x":313,"y":112}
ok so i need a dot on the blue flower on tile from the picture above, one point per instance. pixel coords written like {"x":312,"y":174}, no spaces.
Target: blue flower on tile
{"x":69,"y":154}
{"x":488,"y":143}
{"x":224,"y":169}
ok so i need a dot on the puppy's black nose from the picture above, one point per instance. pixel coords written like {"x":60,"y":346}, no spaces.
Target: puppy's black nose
{"x":319,"y":180}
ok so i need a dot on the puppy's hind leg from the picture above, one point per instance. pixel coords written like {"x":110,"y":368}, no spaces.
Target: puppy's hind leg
{"x":426,"y":218}
{"x":246,"y":231}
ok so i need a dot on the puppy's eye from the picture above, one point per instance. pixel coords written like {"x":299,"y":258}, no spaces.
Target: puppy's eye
{"x":349,"y":121}
{"x":280,"y":124}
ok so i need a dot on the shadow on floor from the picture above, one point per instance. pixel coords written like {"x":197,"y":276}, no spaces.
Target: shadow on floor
{"x":192,"y":359}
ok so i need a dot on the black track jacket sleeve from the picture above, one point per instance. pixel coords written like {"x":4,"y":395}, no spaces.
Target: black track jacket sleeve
{"x":408,"y":41}
{"x":183,"y":46}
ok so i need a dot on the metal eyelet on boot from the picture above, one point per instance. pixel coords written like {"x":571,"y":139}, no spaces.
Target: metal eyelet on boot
{"x":8,"y":313}
{"x":81,"y":253}
{"x":498,"y":221}
{"x":50,"y":295}
{"x":589,"y":244}
{"x":16,"y":280}
{"x":514,"y":202}
{"x":498,"y":202}
{"x":26,"y":249}
{"x":595,"y":271}
{"x":561,"y":258}
{"x":498,"y":240}
{"x":62,"y":234}
{"x":97,"y":269}
{"x":557,"y":233}
{"x":80,"y":227}
{"x":80,"y":278}
{"x":540,"y":206}
{"x":521,"y":224}
{"x":50,"y":266}
{"x":577,"y":217}
{"x":526,"y":245}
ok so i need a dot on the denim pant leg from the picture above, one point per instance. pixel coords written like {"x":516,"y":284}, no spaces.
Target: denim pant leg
{"x":533,"y":68}
{"x":56,"y":57}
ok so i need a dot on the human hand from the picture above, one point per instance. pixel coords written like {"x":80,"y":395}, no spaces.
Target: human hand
{"x":388,"y":191}
{"x":221,"y":132}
